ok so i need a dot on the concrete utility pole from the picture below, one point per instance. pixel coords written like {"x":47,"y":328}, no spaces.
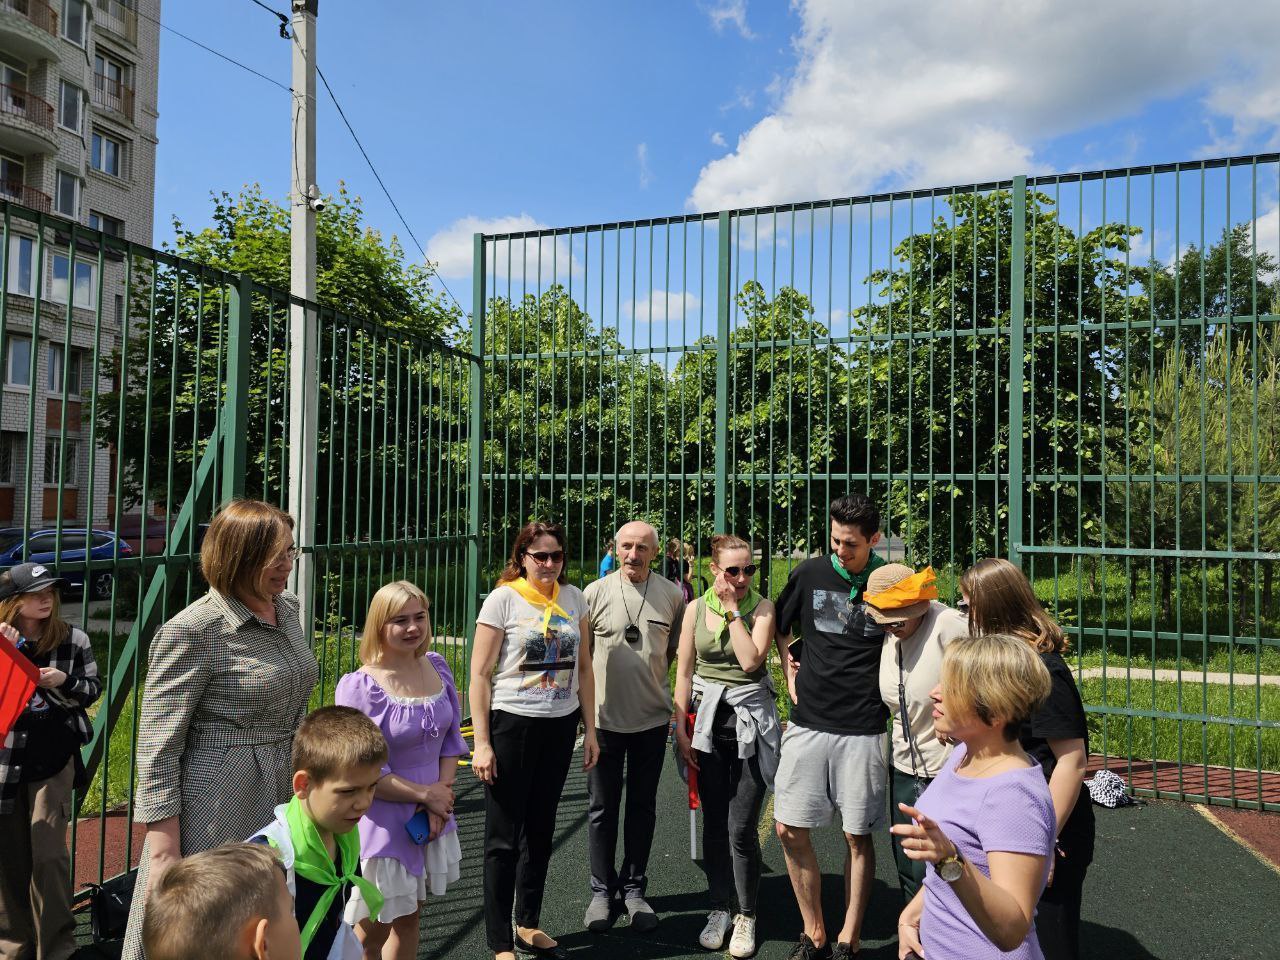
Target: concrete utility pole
{"x":303,"y":322}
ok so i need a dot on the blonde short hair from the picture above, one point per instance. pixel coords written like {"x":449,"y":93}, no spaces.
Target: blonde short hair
{"x":201,"y":905}
{"x":996,"y":677}
{"x":386,"y":603}
{"x":332,"y":740}
{"x":245,"y":537}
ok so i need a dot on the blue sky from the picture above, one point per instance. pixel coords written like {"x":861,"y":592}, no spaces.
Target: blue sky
{"x":492,"y":116}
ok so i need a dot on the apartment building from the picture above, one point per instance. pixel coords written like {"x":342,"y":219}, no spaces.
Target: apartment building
{"x":78,"y":81}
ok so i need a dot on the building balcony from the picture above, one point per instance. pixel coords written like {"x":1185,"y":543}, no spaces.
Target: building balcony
{"x":25,"y":196}
{"x":26,"y":122}
{"x":119,"y":18}
{"x":29,"y":29}
{"x":113,"y":95}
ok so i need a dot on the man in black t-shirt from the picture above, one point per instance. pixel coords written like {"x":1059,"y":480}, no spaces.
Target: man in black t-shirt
{"x":833,"y":753}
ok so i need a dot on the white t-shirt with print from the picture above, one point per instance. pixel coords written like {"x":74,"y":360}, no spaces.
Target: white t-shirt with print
{"x":536,"y":674}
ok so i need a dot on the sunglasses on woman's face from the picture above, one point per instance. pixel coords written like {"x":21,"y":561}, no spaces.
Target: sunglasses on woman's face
{"x":542,"y":556}
{"x":749,"y":570}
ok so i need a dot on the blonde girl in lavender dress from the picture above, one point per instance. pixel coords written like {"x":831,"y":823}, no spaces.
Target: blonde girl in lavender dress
{"x":408,"y":691}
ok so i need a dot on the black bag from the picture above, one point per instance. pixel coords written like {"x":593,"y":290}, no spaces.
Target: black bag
{"x":109,"y":907}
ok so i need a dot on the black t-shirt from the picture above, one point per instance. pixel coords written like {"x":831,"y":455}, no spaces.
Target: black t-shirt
{"x":838,"y":686}
{"x":1062,"y":718}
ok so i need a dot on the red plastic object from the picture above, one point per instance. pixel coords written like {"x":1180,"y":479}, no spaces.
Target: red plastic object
{"x":18,"y":677}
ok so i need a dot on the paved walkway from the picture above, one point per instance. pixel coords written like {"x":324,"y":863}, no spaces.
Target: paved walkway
{"x":1186,"y":676}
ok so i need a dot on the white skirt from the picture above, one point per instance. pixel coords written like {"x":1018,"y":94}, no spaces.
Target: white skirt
{"x":401,"y":890}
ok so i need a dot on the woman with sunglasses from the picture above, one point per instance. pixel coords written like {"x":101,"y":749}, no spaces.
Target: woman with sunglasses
{"x":736,"y":738}
{"x":1000,"y":600}
{"x":917,"y":629}
{"x":531,"y":683}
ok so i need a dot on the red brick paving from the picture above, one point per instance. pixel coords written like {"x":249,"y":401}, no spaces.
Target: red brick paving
{"x":1261,"y":831}
{"x":1223,"y":782}
{"x":87,"y":845}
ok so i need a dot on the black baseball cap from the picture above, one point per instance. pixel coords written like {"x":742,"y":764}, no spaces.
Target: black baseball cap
{"x":27,"y":578}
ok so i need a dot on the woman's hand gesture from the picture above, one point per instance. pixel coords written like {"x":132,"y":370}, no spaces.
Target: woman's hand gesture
{"x":725,"y":593}
{"x":438,"y":799}
{"x":924,"y":839}
{"x":590,"y":750}
{"x":484,"y":764}
{"x":685,"y":745}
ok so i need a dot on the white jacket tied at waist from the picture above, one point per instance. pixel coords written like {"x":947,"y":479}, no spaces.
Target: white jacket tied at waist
{"x":759,"y":732}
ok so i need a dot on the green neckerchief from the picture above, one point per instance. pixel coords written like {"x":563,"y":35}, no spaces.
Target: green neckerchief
{"x":312,"y":862}
{"x":857,"y":581}
{"x":715,"y":606}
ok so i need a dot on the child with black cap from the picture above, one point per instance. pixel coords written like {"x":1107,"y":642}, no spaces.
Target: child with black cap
{"x":40,"y":764}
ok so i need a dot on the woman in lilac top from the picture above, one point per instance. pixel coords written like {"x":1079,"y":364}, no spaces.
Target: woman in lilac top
{"x":409,"y":693}
{"x":986,"y":822}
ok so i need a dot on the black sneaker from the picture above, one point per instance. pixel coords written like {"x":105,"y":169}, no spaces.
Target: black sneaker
{"x":843,"y":951}
{"x":805,"y":950}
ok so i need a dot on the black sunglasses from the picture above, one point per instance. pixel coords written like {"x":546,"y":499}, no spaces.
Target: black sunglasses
{"x":749,"y":570}
{"x":542,"y":556}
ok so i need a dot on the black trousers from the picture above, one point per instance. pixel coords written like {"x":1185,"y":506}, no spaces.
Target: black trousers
{"x":904,"y":788}
{"x":732,"y":792}
{"x":532,"y":755}
{"x":1058,"y":912}
{"x":642,"y":754}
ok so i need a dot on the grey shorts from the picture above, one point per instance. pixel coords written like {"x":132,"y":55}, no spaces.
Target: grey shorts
{"x":823,"y":772}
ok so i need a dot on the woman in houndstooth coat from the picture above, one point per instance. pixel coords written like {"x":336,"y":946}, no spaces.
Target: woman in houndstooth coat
{"x":228,"y":681}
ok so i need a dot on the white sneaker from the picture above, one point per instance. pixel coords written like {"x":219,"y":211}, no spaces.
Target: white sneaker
{"x":712,"y":936}
{"x":743,"y":942}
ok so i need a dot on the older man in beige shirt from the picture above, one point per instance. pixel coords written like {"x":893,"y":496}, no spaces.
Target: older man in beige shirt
{"x":635,"y":626}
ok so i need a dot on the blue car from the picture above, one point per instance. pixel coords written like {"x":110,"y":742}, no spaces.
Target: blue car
{"x":76,"y":543}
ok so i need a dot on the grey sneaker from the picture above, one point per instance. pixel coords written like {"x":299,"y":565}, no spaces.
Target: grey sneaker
{"x":643,"y":919}
{"x":600,"y":915}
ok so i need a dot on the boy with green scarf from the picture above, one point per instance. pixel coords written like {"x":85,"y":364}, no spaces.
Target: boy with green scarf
{"x":339,"y":757}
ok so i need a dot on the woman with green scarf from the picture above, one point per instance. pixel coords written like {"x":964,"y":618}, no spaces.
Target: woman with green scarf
{"x":736,"y":739}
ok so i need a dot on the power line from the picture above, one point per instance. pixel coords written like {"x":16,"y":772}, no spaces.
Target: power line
{"x":216,"y":53}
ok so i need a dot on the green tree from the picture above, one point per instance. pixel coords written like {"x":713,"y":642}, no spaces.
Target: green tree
{"x":173,"y":372}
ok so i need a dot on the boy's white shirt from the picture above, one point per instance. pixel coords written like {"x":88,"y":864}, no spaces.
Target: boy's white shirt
{"x":346,"y":946}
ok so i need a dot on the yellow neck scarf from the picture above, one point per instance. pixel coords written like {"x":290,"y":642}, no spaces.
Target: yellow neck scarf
{"x":537,"y":598}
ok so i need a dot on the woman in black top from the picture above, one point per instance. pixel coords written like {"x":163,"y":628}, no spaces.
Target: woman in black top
{"x":1000,"y":600}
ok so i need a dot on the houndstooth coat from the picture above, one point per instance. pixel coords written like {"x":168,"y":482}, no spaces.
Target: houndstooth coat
{"x":224,"y":693}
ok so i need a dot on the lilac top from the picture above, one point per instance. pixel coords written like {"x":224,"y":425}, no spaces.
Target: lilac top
{"x":1011,"y":812}
{"x":419,"y":732}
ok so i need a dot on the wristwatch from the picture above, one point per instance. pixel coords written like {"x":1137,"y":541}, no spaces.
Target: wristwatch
{"x":730,"y":616}
{"x":951,"y":869}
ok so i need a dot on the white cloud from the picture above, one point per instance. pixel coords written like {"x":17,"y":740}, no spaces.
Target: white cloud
{"x":717,"y":139}
{"x":731,"y":13}
{"x":642,"y":161}
{"x":451,"y":248}
{"x":1267,"y":231}
{"x":662,"y":305}
{"x":891,"y":93}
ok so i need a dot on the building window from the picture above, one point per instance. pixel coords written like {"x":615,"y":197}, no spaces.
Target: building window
{"x":66,"y":200}
{"x":107,"y":154}
{"x":85,"y":285}
{"x":70,"y":101}
{"x":56,"y":363}
{"x":73,"y":21}
{"x":13,"y":176}
{"x":17,"y":357}
{"x":108,"y":225}
{"x":52,"y":460}
{"x":22,"y":258}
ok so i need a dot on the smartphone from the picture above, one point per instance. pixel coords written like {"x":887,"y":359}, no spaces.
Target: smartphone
{"x":419,"y":827}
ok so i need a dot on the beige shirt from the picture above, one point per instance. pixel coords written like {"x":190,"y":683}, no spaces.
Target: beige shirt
{"x":921,"y":670}
{"x":632,"y":691}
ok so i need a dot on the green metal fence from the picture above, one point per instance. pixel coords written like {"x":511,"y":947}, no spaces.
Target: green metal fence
{"x":1079,"y":372}
{"x":147,"y":390}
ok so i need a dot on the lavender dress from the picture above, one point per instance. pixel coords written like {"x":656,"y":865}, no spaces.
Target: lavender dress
{"x":419,"y":731}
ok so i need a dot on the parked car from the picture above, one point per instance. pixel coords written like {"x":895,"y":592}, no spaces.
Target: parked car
{"x":43,"y":547}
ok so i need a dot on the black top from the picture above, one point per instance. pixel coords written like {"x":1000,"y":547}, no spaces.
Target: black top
{"x":838,"y":686}
{"x":1062,"y":718}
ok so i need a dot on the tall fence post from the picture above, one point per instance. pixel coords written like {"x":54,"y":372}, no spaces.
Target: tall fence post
{"x":724,"y":300}
{"x":476,"y":445}
{"x":235,"y":409}
{"x":1017,"y":364}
